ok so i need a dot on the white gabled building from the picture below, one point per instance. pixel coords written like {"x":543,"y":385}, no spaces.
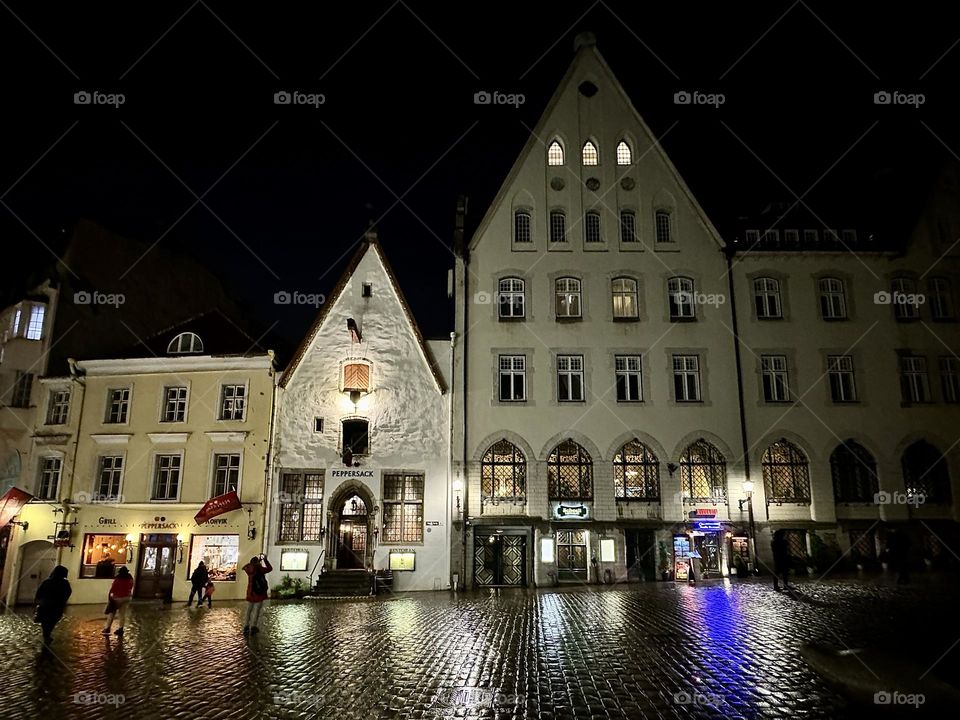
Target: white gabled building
{"x":361,"y":453}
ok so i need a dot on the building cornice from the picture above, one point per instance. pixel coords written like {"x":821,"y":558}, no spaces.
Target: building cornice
{"x":178,"y":364}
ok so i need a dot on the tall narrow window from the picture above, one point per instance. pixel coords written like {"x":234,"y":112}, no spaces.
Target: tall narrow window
{"x":300,"y":503}
{"x":629,"y":378}
{"x":503,"y":472}
{"x":109,"y":475}
{"x":766,"y":294}
{"x":174,"y":404}
{"x":950,"y":378}
{"x":913,"y":379}
{"x":555,"y":153}
{"x":925,"y":473}
{"x":776,"y":387}
{"x":686,"y":378}
{"x":510,"y":297}
{"x":680,"y":297}
{"x":166,"y":477}
{"x":513,"y":378}
{"x":843,"y":387}
{"x":58,"y":408}
{"x":356,"y":435}
{"x":570,"y":472}
{"x":570,"y":378}
{"x":941,"y":299}
{"x":636,"y":472}
{"x":703,"y":473}
{"x":402,"y":508}
{"x":522,"y":231}
{"x":590,"y":154}
{"x":854,"y":473}
{"x":906,"y":302}
{"x":591,"y":222}
{"x":833,"y":299}
{"x":226,"y":473}
{"x":624,"y":292}
{"x":628,"y":226}
{"x":624,"y":155}
{"x":567,"y":297}
{"x":662,"y":223}
{"x":22,"y":388}
{"x":558,"y":226}
{"x":35,"y":325}
{"x":233,"y":402}
{"x":48,"y":483}
{"x":118,"y":404}
{"x":786,"y":473}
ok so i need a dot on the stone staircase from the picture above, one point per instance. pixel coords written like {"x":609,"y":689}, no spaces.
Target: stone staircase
{"x":342,"y":583}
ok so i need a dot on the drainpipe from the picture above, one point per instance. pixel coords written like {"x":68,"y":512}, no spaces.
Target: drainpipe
{"x":272,"y":449}
{"x":740,"y":403}
{"x":75,"y":377}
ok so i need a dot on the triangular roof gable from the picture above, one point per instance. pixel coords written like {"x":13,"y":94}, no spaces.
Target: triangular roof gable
{"x":369,"y":244}
{"x":541,"y":127}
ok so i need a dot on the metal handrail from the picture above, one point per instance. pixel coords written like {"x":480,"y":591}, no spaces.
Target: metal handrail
{"x":319,"y":558}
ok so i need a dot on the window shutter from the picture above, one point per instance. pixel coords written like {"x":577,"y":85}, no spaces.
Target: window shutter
{"x":356,"y":377}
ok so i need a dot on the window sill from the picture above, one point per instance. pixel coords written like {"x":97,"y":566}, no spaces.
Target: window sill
{"x":666,"y":247}
{"x":683,"y":319}
{"x":630,"y":402}
{"x":571,"y":402}
{"x":626,"y":319}
{"x":560,"y":247}
{"x":511,"y":318}
{"x":834,"y":319}
{"x":769,"y":318}
{"x":523,"y":246}
{"x":631,"y":246}
{"x":570,"y":319}
{"x":594,"y":246}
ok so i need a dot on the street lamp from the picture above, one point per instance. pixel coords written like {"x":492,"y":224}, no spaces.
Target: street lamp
{"x":748,"y":489}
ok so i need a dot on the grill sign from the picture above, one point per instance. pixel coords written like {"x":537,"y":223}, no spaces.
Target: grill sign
{"x":704,"y":513}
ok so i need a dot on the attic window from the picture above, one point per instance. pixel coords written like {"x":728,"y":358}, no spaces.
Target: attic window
{"x":588,"y":89}
{"x":355,"y":437}
{"x":184,"y":343}
{"x":366,"y":290}
{"x":356,"y":377}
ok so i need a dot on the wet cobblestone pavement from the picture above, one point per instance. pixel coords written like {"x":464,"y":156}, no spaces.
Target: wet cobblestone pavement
{"x":646,"y":651}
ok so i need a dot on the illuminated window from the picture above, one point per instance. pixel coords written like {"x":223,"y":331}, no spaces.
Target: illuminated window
{"x":402,"y":508}
{"x":786,"y":473}
{"x":590,"y":154}
{"x":503,"y":472}
{"x":186,"y":342}
{"x":219,"y":553}
{"x":703,"y":473}
{"x":636,"y":472}
{"x":555,"y":153}
{"x":570,"y":472}
{"x":35,"y":325}
{"x":300,"y":503}
{"x":624,"y":155}
{"x":567,"y":297}
{"x":624,"y":292}
{"x":103,"y":554}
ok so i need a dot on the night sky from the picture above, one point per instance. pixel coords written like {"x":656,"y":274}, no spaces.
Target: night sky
{"x":294,"y":187}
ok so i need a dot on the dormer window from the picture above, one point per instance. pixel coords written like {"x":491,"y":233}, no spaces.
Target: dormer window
{"x":185,"y":343}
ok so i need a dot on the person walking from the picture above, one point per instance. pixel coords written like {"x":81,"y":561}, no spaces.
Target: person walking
{"x":119,"y":597}
{"x":257,"y":590}
{"x":781,"y":560}
{"x":51,"y":599}
{"x":199,"y":581}
{"x":208,"y":594}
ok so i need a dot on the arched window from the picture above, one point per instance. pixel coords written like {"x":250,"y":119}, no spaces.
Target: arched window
{"x":570,"y":472}
{"x":833,"y":299}
{"x":558,"y":226}
{"x":624,"y":291}
{"x":766,"y":295}
{"x":925,"y":473}
{"x":591,"y":223}
{"x":786,"y":473}
{"x":522,"y":227}
{"x":680,"y":298}
{"x":662,"y":223}
{"x":510,"y":297}
{"x":503,"y":472}
{"x":703,"y":473}
{"x":624,"y":154}
{"x":186,"y":342}
{"x":568,"y":297}
{"x":555,"y":153}
{"x":590,"y":154}
{"x":854,"y":473}
{"x":636,"y":472}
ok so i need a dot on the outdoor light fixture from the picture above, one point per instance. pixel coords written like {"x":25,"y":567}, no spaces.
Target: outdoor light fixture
{"x":130,"y":545}
{"x":21,"y":523}
{"x":748,"y":489}
{"x":671,"y":468}
{"x":354,"y":397}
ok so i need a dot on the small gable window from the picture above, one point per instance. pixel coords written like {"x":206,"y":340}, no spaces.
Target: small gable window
{"x":185,"y":343}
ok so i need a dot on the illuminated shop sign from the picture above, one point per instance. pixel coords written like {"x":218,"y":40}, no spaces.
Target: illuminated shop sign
{"x":295,"y":559}
{"x":403,"y":560}
{"x":352,"y":473}
{"x":571,"y":511}
{"x":703,"y":513}
{"x":709,"y":525}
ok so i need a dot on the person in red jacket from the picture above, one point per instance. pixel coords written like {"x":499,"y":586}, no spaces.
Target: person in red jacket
{"x":120,"y":594}
{"x":257,"y":591}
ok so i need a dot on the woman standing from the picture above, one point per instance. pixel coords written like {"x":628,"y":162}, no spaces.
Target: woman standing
{"x":120,"y":593}
{"x":51,"y":599}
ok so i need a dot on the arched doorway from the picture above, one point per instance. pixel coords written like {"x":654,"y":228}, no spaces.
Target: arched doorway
{"x":37,"y":560}
{"x":352,"y":539}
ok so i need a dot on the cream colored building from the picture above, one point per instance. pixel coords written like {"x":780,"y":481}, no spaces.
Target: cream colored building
{"x":125,"y":452}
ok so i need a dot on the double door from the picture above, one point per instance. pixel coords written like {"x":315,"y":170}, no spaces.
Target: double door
{"x":157,"y":566}
{"x":499,"y":559}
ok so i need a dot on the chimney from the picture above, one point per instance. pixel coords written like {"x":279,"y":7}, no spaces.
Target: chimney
{"x":459,"y":242}
{"x":584,"y":40}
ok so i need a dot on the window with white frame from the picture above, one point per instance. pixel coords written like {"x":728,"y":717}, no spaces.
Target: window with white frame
{"x":833,"y":299}
{"x":843,"y":386}
{"x":624,"y":154}
{"x":58,"y":407}
{"x":686,"y":378}
{"x":771,"y":236}
{"x":510,"y":297}
{"x":558,"y":226}
{"x":628,"y":226}
{"x":906,"y":305}
{"x":109,"y":476}
{"x":118,"y":405}
{"x":629,"y":378}
{"x":753,"y":237}
{"x":914,"y":383}
{"x":941,"y":299}
{"x":810,"y":237}
{"x":570,"y":378}
{"x":680,"y":297}
{"x":624,"y":294}
{"x":226,"y":473}
{"x":776,"y":386}
{"x":590,"y":154}
{"x":166,"y":476}
{"x":48,"y":484}
{"x":233,"y":401}
{"x":513,"y":378}
{"x":950,"y":378}
{"x":766,"y":294}
{"x":567,"y":290}
{"x":791,"y":237}
{"x":402,"y":508}
{"x":174,"y":404}
{"x":662,"y":226}
{"x":555,"y":153}
{"x":35,"y":324}
{"x":185,"y":343}
{"x":522,"y":227}
{"x":591,"y":225}
{"x":22,"y":388}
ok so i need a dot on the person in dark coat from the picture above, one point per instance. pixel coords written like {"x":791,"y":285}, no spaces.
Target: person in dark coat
{"x":199,"y":580}
{"x":781,"y":559}
{"x":51,"y":599}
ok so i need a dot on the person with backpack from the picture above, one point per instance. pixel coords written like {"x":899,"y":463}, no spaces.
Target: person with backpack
{"x":51,"y":599}
{"x":257,"y":591}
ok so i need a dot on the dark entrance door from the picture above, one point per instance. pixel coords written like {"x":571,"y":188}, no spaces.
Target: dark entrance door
{"x":499,"y":560}
{"x":708,"y":545}
{"x":572,"y":555}
{"x":351,"y":550}
{"x":641,"y":555}
{"x":158,"y":562}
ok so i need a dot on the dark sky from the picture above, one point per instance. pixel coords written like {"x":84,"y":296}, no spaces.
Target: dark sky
{"x":294,"y":187}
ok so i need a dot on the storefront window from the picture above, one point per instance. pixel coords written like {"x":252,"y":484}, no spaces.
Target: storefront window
{"x":102,"y":555}
{"x":219,"y":553}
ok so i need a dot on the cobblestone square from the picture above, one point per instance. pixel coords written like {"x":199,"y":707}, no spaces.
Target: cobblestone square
{"x":727,"y":650}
